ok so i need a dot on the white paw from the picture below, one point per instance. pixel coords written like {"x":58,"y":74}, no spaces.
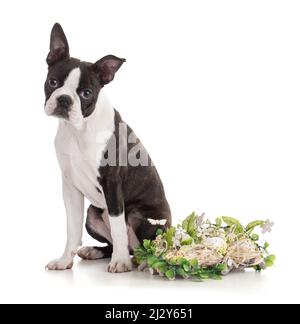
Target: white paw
{"x":60,"y":264}
{"x":120,"y":263}
{"x":90,"y":253}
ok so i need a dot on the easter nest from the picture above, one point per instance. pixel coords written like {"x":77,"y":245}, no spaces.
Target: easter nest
{"x":200,"y":249}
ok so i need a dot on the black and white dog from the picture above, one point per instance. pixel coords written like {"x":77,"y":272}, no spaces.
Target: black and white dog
{"x":101,"y":159}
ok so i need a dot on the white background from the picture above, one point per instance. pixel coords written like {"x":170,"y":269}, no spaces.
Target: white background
{"x":211,"y":88}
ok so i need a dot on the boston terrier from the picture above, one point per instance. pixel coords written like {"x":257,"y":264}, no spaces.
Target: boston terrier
{"x":101,"y":159}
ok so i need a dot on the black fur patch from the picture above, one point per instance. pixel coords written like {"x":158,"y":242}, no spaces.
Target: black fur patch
{"x":138,"y":189}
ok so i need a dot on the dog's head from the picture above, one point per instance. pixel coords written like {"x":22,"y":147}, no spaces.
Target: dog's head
{"x":72,"y":86}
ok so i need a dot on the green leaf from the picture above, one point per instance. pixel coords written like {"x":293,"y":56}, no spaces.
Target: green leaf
{"x":170,"y":274}
{"x":269,"y":260}
{"x":187,"y":241}
{"x":173,"y":261}
{"x":189,"y":224}
{"x":186,"y":267}
{"x":163,"y":269}
{"x":257,"y":268}
{"x":232,"y":222}
{"x":140,"y":255}
{"x":181,"y":261}
{"x":169,"y":235}
{"x":221,"y":267}
{"x":202,"y":275}
{"x":254,"y":237}
{"x":158,"y":264}
{"x":184,"y":263}
{"x":269,"y":263}
{"x":266,"y":245}
{"x":271,"y":257}
{"x":147,"y":244}
{"x":219,"y":221}
{"x":181,"y":272}
{"x":151,"y":260}
{"x":159,"y":232}
{"x":254,"y":224}
{"x":194,"y":263}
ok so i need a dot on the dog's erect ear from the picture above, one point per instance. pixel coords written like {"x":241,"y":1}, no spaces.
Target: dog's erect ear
{"x":107,"y":67}
{"x":59,"y":48}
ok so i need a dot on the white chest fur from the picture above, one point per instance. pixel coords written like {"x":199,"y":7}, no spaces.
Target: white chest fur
{"x":79,"y":150}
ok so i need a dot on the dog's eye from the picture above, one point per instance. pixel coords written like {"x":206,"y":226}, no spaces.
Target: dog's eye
{"x":53,"y":83}
{"x":86,"y":94}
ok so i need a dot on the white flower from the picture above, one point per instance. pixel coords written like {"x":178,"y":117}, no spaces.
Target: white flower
{"x":267,"y":227}
{"x":177,"y":238}
{"x":216,"y":243}
{"x":231,"y":237}
{"x":230,"y":263}
{"x":185,"y":237}
{"x":177,"y":235}
{"x":205,"y":226}
{"x":199,"y":220}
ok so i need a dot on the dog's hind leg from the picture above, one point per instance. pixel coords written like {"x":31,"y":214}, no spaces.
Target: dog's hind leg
{"x":142,"y":229}
{"x":96,"y":225}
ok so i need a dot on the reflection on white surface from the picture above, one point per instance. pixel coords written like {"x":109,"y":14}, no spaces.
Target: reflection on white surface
{"x":142,"y":287}
{"x":95,"y":273}
{"x":89,"y":282}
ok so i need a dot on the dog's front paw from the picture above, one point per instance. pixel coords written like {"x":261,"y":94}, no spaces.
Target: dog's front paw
{"x":120,"y":263}
{"x":60,"y":264}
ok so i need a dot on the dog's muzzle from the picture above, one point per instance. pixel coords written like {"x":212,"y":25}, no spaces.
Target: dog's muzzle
{"x":63,"y":106}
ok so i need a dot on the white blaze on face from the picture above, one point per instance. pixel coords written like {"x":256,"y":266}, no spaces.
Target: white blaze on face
{"x":69,"y":88}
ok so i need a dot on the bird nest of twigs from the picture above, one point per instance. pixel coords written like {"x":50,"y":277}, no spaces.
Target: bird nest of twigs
{"x":200,"y":249}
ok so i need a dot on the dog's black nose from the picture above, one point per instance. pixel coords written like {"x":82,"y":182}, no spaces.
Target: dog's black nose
{"x":64,"y":102}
